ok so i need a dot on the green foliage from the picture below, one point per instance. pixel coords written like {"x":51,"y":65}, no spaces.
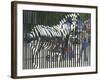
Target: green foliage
{"x":84,"y":16}
{"x":50,"y":18}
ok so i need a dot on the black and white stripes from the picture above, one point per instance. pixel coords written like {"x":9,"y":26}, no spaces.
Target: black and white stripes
{"x":55,"y":46}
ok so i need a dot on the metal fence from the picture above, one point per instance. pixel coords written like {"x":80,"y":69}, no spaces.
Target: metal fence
{"x":54,"y":47}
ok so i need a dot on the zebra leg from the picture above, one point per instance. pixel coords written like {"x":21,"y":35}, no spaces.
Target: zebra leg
{"x":35,"y":53}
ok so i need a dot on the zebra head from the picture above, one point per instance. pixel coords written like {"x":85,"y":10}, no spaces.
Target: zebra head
{"x":28,"y":37}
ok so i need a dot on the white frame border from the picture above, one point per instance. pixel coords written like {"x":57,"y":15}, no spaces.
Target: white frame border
{"x":21,"y":7}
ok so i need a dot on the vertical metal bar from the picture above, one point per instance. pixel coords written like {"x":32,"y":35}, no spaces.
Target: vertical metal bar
{"x":62,"y":57}
{"x":32,"y":50}
{"x":75,"y":53}
{"x":83,"y":54}
{"x":25,"y":51}
{"x":71,"y":54}
{"x":67,"y":54}
{"x":53,"y":59}
{"x":89,"y":58}
{"x":50,"y":58}
{"x":31,"y":57}
{"x":89,"y":53}
{"x":35,"y":61}
{"x":28,"y":56}
{"x":45,"y":58}
{"x":44,"y":52}
{"x":59,"y":60}
{"x":69,"y":49}
{"x":42,"y":63}
{"x":79,"y":48}
{"x":65,"y":57}
{"x":77,"y":44}
{"x":27,"y":44}
{"x":23,"y":39}
{"x":39,"y":59}
{"x":32,"y":21}
{"x":80,"y":52}
{"x":56,"y":60}
{"x":23,"y":56}
{"x":24,"y":61}
{"x":74,"y":62}
{"x":87,"y":50}
{"x":30,"y":16}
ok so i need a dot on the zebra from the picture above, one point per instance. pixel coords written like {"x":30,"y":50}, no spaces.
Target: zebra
{"x":50,"y":38}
